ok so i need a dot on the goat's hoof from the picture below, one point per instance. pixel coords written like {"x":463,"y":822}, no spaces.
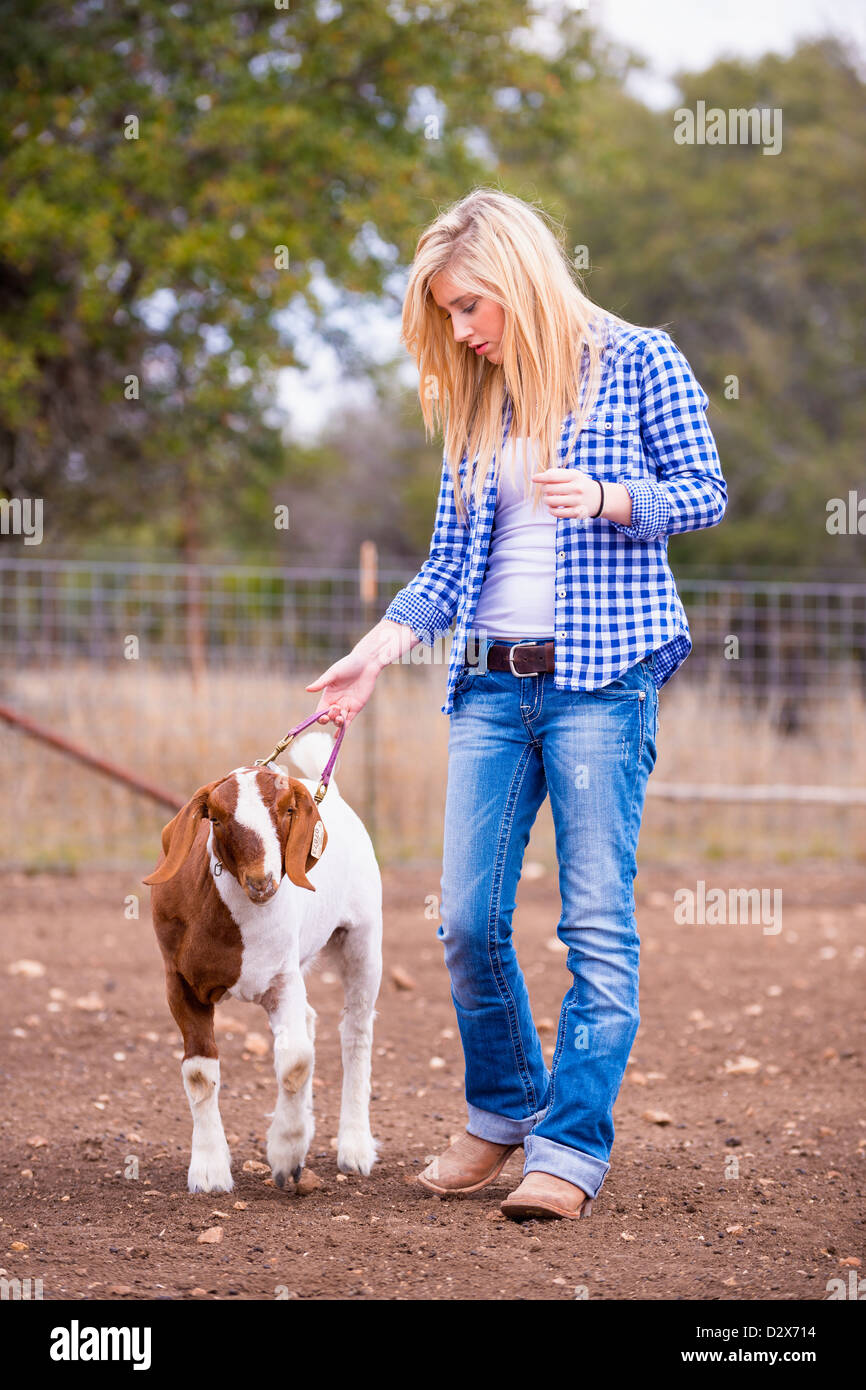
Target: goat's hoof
{"x":280,"y":1175}
{"x":209,"y":1176}
{"x":356,"y":1154}
{"x":287,"y":1150}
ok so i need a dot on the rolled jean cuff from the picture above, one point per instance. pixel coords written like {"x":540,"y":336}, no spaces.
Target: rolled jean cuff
{"x":545,"y":1156}
{"x":500,"y":1129}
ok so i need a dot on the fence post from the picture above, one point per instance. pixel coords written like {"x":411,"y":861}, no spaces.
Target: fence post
{"x":193,"y":607}
{"x":368,"y":578}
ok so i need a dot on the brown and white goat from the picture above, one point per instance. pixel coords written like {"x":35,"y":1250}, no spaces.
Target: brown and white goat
{"x":256,"y":881}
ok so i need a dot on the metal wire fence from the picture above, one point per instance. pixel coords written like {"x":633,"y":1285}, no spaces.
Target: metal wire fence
{"x":753,"y":638}
{"x":763,"y":750}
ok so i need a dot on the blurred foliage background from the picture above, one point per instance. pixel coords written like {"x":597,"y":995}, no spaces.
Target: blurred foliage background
{"x":157,"y":258}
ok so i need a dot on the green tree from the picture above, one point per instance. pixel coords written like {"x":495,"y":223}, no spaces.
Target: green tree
{"x":753,"y":263}
{"x":175,"y":183}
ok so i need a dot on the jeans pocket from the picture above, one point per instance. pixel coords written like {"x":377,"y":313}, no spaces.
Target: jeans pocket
{"x":633,"y":683}
{"x":630,"y":685}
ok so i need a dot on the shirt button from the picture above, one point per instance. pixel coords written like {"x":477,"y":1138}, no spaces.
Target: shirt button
{"x":562,"y":554}
{"x":608,"y":424}
{"x":562,"y":634}
{"x":561,"y":593}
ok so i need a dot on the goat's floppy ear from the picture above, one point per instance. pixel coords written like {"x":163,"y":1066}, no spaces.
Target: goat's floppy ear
{"x":178,"y":835}
{"x":304,"y":831}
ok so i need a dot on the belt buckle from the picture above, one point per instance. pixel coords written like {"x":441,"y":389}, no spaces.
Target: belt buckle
{"x":520,"y":674}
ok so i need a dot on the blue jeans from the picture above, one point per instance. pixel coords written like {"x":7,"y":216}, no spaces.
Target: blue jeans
{"x":513,"y":740}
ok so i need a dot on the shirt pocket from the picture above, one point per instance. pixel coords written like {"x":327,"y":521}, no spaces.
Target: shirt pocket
{"x":609,"y":446}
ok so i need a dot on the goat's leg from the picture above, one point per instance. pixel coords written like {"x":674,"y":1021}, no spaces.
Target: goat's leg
{"x":293,"y":1023}
{"x":210,"y":1168}
{"x":358,"y":956}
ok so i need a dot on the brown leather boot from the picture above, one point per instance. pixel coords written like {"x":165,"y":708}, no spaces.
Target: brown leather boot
{"x":542,"y":1196}
{"x":470,"y":1163}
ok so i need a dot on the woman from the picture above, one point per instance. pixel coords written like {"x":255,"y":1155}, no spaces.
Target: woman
{"x":567,"y":623}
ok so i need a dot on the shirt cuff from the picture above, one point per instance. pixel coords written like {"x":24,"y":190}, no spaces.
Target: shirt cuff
{"x":650,"y":510}
{"x":424,"y":618}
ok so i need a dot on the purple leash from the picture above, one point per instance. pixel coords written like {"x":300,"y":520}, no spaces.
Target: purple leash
{"x":329,"y":765}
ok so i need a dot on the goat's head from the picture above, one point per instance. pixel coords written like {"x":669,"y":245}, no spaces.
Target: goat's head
{"x":265,"y":824}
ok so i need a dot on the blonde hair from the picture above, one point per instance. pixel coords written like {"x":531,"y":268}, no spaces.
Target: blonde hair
{"x":502,"y":248}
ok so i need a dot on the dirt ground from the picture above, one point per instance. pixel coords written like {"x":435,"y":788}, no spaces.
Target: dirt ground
{"x":751,"y":1190}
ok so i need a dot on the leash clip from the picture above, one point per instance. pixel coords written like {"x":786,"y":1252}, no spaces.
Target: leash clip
{"x":329,"y":766}
{"x":280,"y":748}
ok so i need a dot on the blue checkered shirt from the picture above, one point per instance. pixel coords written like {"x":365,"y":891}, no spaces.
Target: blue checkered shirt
{"x":615,"y":596}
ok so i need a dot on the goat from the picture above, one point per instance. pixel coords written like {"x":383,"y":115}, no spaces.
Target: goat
{"x":254,"y":882}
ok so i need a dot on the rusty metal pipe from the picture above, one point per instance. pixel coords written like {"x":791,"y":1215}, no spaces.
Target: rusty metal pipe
{"x":74,"y":750}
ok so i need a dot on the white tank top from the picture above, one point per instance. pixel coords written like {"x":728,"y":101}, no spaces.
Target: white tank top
{"x":516,"y":598}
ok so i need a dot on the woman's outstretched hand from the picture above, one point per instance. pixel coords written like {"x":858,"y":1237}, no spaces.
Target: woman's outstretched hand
{"x":348,"y":684}
{"x":346,"y":687}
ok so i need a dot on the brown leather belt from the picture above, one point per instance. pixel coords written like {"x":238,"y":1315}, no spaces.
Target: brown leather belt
{"x":520,"y":658}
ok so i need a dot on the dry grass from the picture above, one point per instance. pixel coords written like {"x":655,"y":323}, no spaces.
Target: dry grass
{"x":392,"y":766}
